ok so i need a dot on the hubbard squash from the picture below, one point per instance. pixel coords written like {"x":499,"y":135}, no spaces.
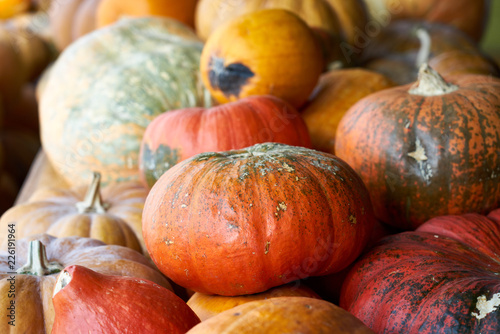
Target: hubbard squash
{"x":104,"y":90}
{"x":267,"y":52}
{"x":40,"y":258}
{"x":90,"y":302}
{"x":283,"y":315}
{"x":441,"y":278}
{"x":180,"y":134}
{"x":468,"y":16}
{"x":427,"y":149}
{"x":337,"y":91}
{"x":82,"y":212}
{"x":244,"y":221}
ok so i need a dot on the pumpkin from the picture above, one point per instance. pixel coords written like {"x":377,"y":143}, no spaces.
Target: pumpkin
{"x":211,"y":14}
{"x":87,"y":301}
{"x":64,"y":213}
{"x":441,"y":278}
{"x":71,"y":19}
{"x":337,"y":91}
{"x":400,"y":49}
{"x":283,"y":315}
{"x":105,"y":89}
{"x":40,"y":258}
{"x":230,"y":223}
{"x":427,"y":149}
{"x":10,"y":8}
{"x":468,"y":16}
{"x":110,"y":11}
{"x":236,"y":63}
{"x":206,"y":306}
{"x":180,"y":134}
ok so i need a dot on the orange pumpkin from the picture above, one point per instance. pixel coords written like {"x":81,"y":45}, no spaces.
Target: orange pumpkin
{"x":10,"y":8}
{"x":268,"y":52}
{"x":110,"y":11}
{"x":337,"y":91}
{"x":206,"y":306}
{"x":283,"y":315}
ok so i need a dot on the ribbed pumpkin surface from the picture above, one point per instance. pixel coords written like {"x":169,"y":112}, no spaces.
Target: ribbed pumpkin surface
{"x":105,"y":89}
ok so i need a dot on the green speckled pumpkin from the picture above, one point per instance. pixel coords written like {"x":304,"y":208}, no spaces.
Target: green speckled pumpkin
{"x":107,"y":87}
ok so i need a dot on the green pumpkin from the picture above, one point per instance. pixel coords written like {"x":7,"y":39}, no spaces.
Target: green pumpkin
{"x":105,"y":89}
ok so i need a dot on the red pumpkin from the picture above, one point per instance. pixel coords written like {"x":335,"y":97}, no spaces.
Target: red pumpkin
{"x":241,"y":222}
{"x":442,"y":278}
{"x":180,"y":134}
{"x":427,"y":150}
{"x":86,"y":301}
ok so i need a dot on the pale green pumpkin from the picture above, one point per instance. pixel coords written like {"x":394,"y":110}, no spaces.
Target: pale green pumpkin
{"x":108,"y":86}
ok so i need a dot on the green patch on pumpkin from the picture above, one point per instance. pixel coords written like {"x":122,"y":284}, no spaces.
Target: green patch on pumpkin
{"x":156,"y":162}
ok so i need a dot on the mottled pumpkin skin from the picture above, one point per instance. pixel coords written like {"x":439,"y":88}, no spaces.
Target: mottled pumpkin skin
{"x":267,"y":52}
{"x":283,"y":315}
{"x":33,"y":294}
{"x":241,"y":222}
{"x":422,"y":157}
{"x":206,"y":306}
{"x":468,"y":16}
{"x":180,"y":134}
{"x":106,"y":87}
{"x":337,"y":91}
{"x":433,"y":280}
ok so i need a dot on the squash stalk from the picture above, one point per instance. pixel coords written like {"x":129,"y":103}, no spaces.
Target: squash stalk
{"x":37,"y":262}
{"x":431,"y":83}
{"x":92,"y":203}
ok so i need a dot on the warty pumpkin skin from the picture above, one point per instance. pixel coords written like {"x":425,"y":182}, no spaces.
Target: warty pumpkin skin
{"x":255,"y":54}
{"x":426,"y":156}
{"x":468,"y":16}
{"x":34,"y":311}
{"x":244,"y":221}
{"x":105,"y":89}
{"x":337,"y":91}
{"x":206,"y":306}
{"x":110,"y":11}
{"x":86,"y":301}
{"x":283,"y":315}
{"x":441,"y":278}
{"x":64,"y":213}
{"x":180,"y":134}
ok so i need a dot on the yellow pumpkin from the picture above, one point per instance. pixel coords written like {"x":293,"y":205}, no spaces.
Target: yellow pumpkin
{"x":270,"y":51}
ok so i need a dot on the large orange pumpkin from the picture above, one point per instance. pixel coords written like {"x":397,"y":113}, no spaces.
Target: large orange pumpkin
{"x":180,"y":134}
{"x":110,"y":11}
{"x":265,"y":52}
{"x":243,"y":221}
{"x":427,"y":150}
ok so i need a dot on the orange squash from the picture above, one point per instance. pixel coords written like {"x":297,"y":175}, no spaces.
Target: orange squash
{"x":337,"y":91}
{"x":10,"y":8}
{"x":110,"y":11}
{"x":268,"y":52}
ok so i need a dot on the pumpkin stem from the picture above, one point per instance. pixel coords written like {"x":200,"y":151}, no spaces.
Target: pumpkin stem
{"x":430,"y":83}
{"x":38,"y":264}
{"x":92,"y":203}
{"x":425,"y":46}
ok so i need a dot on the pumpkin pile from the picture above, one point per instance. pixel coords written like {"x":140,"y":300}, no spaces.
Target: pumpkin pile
{"x":260,"y":166}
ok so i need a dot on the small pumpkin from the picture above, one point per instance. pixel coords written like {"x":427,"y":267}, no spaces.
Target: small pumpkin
{"x":427,"y":149}
{"x":71,"y":19}
{"x":283,"y":315}
{"x":206,"y":306}
{"x":87,"y":301}
{"x":180,"y":134}
{"x":40,"y":258}
{"x":97,"y":125}
{"x":254,"y":54}
{"x":337,"y":91}
{"x":64,"y":213}
{"x":468,"y":16}
{"x":441,"y":278}
{"x":231,"y":223}
{"x":109,"y":11}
